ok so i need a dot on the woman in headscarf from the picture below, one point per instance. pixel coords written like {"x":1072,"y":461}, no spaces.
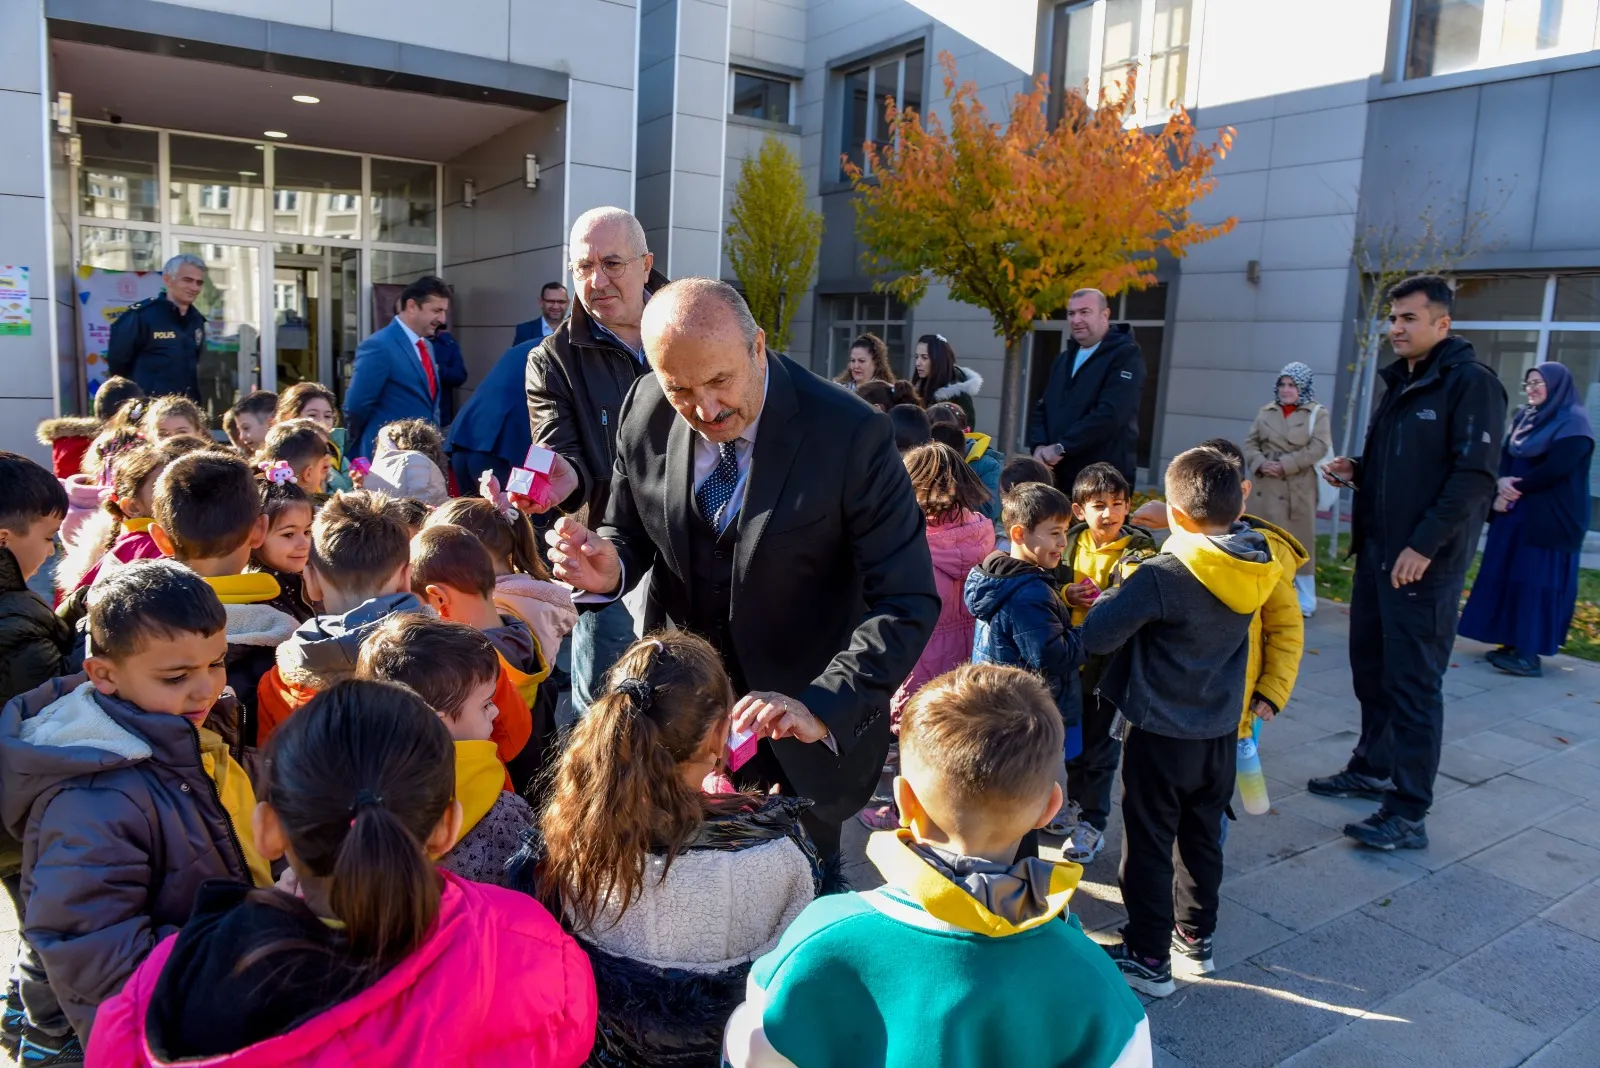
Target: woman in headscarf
{"x":1290,"y":436}
{"x":1528,"y":582}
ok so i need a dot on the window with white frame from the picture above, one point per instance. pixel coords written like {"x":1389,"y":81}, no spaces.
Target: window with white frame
{"x":761,"y":96}
{"x":852,"y":314}
{"x":1444,"y":36}
{"x":1098,"y":42}
{"x":216,"y":197}
{"x":868,"y":88}
{"x":1518,"y":321}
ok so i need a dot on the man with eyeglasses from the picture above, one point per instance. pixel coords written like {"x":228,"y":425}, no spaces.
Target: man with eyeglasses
{"x":576,"y":380}
{"x":553,"y":308}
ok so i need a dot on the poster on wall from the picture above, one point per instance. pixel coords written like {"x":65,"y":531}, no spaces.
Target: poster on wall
{"x":103,"y":295}
{"x":16,"y":306}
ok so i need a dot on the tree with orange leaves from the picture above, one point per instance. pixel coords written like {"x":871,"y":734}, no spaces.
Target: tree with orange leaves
{"x":1014,"y":217}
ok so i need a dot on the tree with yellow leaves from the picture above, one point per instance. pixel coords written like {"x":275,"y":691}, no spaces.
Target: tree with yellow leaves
{"x":1015,"y":216}
{"x":773,"y":239}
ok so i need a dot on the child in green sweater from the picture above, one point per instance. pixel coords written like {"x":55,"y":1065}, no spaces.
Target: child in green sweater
{"x":965,"y":957}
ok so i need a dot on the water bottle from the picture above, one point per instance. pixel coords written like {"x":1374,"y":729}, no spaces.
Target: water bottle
{"x":1252,"y":784}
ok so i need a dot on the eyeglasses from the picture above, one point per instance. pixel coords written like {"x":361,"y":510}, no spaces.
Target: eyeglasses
{"x":1531,"y":385}
{"x":613,"y":267}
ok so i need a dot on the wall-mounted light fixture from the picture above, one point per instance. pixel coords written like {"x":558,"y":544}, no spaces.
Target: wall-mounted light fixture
{"x":63,"y":112}
{"x":530,"y":171}
{"x":75,"y":151}
{"x":469,"y":193}
{"x":1252,"y":272}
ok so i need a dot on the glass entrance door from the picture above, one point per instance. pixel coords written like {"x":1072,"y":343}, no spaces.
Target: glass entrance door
{"x":231,"y":302}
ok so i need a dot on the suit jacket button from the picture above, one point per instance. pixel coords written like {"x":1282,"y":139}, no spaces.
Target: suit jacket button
{"x":720,"y":555}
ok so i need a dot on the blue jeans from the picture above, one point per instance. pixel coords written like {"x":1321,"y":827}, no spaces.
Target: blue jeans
{"x":598,"y":641}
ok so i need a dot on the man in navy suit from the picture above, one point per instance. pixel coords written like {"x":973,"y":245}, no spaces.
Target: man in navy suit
{"x":396,"y":375}
{"x":553,"y":303}
{"x":491,"y":432}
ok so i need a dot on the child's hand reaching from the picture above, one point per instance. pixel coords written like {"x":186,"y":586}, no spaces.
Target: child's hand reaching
{"x":1081,"y":594}
{"x":1262,"y":710}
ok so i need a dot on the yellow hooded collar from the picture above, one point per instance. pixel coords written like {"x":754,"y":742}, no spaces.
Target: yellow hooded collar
{"x":137,"y":525}
{"x":902,"y":869}
{"x":479,"y":779}
{"x":1243,"y":585}
{"x":977,"y":445}
{"x":251,"y":588}
{"x":1286,"y":548}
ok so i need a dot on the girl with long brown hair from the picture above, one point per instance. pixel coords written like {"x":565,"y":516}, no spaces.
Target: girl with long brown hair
{"x":673,"y":891}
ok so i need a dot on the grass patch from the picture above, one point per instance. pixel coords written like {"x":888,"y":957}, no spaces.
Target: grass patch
{"x":1583,"y":639}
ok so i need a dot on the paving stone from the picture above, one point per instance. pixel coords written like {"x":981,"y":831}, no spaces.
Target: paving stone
{"x":1256,"y":841}
{"x":1458,"y":909}
{"x":1581,"y":824}
{"x":1462,"y":718}
{"x":1466,"y":822}
{"x":1428,"y":1026}
{"x":1243,"y":933}
{"x":1329,"y":684}
{"x":1287,"y":731}
{"x":1332,"y":812}
{"x":1457,"y":684}
{"x":1580,"y":912}
{"x":1537,"y":733}
{"x":1565,"y":773}
{"x":1502,"y":747}
{"x":1588,"y":752}
{"x":1573,"y":1048}
{"x":1540,"y":973}
{"x":1540,"y":861}
{"x":1163,"y":1059}
{"x":1355,"y":961}
{"x":1312,"y":888}
{"x":1098,"y":907}
{"x":1469,"y":767}
{"x":1323,"y":756}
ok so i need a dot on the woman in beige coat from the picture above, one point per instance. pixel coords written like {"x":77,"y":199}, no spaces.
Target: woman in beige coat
{"x":1289,"y":438}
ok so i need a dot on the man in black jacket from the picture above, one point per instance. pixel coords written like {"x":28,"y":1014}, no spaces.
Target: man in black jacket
{"x":576,"y":380}
{"x":776,"y":521}
{"x":158,"y":342}
{"x":1089,"y":412}
{"x":1423,"y":485}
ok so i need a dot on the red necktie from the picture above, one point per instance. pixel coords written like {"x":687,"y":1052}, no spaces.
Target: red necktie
{"x":427,"y":367}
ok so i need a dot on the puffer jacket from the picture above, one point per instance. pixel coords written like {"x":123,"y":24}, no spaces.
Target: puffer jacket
{"x":496,"y":983}
{"x":967,"y":385}
{"x":35,"y":641}
{"x":68,"y":437}
{"x":1022,"y":621}
{"x":1277,"y":630}
{"x":84,"y":499}
{"x":672,"y":968}
{"x":576,"y":380}
{"x":120,"y":825}
{"x":987,"y":464}
{"x":957,"y":547}
{"x":545,"y":607}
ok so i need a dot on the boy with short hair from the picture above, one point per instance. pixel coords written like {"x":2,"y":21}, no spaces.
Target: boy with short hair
{"x":965,"y":957}
{"x":37,"y":643}
{"x":1102,"y":551}
{"x":454,"y":575}
{"x":253,"y":416}
{"x":208,"y":517}
{"x":360,"y":572}
{"x":124,"y":803}
{"x":456,"y":670}
{"x":1021,"y":618}
{"x":1180,"y":631}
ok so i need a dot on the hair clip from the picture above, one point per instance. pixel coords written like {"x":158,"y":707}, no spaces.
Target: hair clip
{"x":639,"y":694}
{"x":942,"y":339}
{"x":277,"y":471}
{"x":489,"y":489}
{"x":136,"y":413}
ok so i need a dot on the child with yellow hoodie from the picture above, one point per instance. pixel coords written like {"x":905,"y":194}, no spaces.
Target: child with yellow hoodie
{"x":455,"y":669}
{"x":966,"y":957}
{"x":1181,"y":631}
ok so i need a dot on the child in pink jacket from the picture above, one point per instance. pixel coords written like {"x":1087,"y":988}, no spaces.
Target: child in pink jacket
{"x":381,"y":958}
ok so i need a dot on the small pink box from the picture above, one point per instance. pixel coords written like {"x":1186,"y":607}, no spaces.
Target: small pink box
{"x":741,"y":747}
{"x":521,"y":481}
{"x":539,"y":460}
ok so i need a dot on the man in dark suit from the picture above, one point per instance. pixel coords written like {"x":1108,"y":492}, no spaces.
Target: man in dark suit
{"x":553,"y":308}
{"x":396,"y":373}
{"x":775,"y":518}
{"x":1089,"y":412}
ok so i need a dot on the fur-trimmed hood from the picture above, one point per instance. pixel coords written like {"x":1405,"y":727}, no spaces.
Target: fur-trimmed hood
{"x":67,"y":426}
{"x":970,"y":382}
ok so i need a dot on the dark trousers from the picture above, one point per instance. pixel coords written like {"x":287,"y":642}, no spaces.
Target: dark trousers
{"x":1173,"y":790}
{"x":1400,"y":644}
{"x":1092,"y":772}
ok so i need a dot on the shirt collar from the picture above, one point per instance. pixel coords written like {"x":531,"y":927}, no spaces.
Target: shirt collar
{"x":604,"y":331}
{"x":411,"y":335}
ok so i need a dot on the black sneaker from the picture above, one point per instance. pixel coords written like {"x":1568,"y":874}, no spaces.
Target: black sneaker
{"x":1148,"y":975}
{"x":15,"y":1019}
{"x":1193,"y":953}
{"x":1521,"y":665}
{"x":1387,"y":831}
{"x":40,"y":1050}
{"x":1350,"y":784}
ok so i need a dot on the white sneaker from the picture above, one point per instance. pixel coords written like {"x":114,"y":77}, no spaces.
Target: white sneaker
{"x":1065,"y":821}
{"x":1084,"y":845}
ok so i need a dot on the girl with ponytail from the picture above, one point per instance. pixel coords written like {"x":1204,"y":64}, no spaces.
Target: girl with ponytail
{"x":673,"y":891}
{"x":382,"y":958}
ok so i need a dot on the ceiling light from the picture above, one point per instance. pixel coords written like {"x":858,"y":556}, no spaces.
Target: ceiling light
{"x":276,"y":134}
{"x":248,"y":174}
{"x":306,"y":98}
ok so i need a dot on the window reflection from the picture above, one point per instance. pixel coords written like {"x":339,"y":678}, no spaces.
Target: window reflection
{"x":404,"y":201}
{"x":118,"y":178}
{"x":317,"y":194}
{"x":217,"y":183}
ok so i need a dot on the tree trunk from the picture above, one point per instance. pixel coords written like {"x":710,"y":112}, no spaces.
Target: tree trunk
{"x":1011,"y":398}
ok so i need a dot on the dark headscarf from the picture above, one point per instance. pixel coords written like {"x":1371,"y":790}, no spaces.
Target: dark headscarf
{"x":1562,"y":415}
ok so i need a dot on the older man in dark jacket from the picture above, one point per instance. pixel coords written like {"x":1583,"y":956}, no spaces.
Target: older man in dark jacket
{"x":1423,"y":483}
{"x":1089,"y":412}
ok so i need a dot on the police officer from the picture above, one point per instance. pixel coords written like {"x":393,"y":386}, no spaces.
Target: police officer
{"x":158,"y":342}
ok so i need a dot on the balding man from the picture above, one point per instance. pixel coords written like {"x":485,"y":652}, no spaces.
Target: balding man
{"x":776,"y":520}
{"x":158,"y":342}
{"x":575,"y":381}
{"x":1089,"y":412}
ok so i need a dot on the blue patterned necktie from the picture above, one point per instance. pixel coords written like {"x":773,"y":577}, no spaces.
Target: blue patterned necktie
{"x":714,"y":493}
